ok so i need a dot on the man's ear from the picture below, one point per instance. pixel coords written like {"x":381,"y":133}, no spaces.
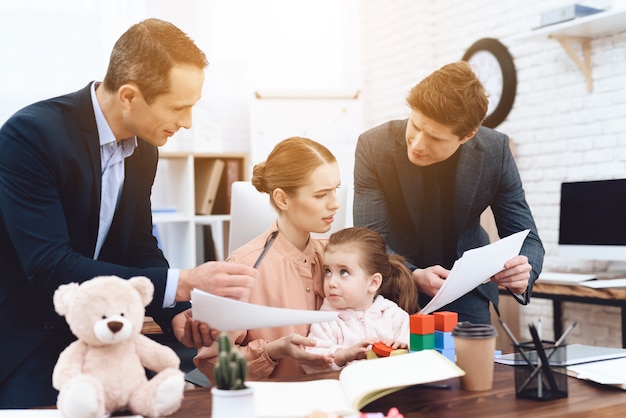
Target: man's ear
{"x":280,"y":198}
{"x":375,"y":281}
{"x":127,"y":93}
{"x":469,"y":136}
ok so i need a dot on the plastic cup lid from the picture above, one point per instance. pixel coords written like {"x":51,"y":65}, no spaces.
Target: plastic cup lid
{"x":469,"y":330}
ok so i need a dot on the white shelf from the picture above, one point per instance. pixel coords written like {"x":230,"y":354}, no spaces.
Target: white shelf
{"x":580,"y":30}
{"x":210,"y":219}
{"x":592,"y":26}
{"x":165,"y":217}
{"x":180,"y":230}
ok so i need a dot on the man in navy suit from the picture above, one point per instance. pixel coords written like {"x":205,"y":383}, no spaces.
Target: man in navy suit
{"x":423,"y":183}
{"x":63,"y":162}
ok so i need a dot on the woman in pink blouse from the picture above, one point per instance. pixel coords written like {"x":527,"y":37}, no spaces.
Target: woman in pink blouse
{"x":301,"y":177}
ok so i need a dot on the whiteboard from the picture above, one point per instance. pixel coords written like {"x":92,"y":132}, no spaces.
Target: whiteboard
{"x":335,"y":123}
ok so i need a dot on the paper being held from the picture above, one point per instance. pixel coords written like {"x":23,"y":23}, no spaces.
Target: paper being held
{"x":227,"y":314}
{"x":475,"y":267}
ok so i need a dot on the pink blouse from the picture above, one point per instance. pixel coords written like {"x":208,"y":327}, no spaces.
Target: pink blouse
{"x":288,"y":278}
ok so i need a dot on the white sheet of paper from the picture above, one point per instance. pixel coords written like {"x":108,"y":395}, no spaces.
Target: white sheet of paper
{"x":231,"y":315}
{"x":607,"y":372}
{"x":602,"y":284}
{"x":474,"y":267}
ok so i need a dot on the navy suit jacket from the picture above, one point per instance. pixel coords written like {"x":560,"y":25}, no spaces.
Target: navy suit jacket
{"x":50,"y":180}
{"x":388,"y":195}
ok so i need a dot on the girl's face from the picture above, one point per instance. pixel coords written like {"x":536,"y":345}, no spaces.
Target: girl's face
{"x":346,"y":284}
{"x":313,"y":207}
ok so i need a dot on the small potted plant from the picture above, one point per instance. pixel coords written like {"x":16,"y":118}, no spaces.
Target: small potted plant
{"x":231,"y":396}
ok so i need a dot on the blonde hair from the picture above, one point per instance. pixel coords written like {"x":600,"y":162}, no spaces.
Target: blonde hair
{"x":397,"y":284}
{"x":290,"y":165}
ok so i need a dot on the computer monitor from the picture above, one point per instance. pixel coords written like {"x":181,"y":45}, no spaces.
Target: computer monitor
{"x":592,"y":223}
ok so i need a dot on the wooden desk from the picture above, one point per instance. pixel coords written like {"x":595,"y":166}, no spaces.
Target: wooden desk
{"x":150,"y":327}
{"x":560,"y":293}
{"x":585,"y":400}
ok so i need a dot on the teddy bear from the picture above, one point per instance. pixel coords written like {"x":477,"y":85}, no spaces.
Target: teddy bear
{"x":103,"y":371}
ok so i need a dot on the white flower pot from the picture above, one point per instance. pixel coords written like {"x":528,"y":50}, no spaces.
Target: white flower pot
{"x":233,"y":403}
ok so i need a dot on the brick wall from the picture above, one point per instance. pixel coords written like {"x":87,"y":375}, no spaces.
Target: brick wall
{"x":561,"y":131}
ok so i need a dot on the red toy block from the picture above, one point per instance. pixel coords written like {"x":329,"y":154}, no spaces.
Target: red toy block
{"x":445,"y":321}
{"x":381,"y":349}
{"x":422,"y":324}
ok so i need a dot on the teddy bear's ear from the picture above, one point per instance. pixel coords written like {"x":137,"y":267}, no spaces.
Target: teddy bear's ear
{"x":144,"y":286}
{"x":63,"y":296}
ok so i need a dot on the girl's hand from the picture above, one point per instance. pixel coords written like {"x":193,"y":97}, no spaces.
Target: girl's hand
{"x":396,"y":345}
{"x":292,"y":346}
{"x":358,"y":351}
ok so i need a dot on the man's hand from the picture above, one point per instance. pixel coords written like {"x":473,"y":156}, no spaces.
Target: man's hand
{"x":430,"y":280}
{"x":220,"y":278}
{"x":515,"y":275}
{"x":193,"y":333}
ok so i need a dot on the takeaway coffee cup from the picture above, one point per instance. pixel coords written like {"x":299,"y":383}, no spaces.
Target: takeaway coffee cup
{"x":475,"y":345}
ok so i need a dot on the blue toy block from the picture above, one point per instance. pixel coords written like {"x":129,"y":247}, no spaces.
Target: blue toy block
{"x":444,"y":340}
{"x":449,"y":353}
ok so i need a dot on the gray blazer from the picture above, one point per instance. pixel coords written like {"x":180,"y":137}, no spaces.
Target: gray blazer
{"x":388,"y":191}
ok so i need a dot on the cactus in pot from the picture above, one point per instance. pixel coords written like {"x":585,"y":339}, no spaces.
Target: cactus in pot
{"x":231,"y":368}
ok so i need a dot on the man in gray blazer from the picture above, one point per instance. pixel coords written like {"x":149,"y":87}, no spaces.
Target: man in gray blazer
{"x":423,"y":183}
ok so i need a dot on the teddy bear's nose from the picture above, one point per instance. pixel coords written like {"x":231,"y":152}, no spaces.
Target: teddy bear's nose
{"x":115,"y":326}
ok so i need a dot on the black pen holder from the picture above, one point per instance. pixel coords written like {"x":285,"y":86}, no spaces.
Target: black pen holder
{"x":534,"y":380}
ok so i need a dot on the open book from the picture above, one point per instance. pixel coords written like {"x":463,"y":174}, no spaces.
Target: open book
{"x":359,"y":383}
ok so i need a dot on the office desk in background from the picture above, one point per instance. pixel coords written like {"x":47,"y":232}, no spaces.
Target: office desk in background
{"x":560,"y":293}
{"x":585,"y":399}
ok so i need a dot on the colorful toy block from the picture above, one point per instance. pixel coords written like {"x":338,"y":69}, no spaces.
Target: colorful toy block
{"x":421,"y":324}
{"x":445,"y":320}
{"x":381,"y":349}
{"x":449,"y":353}
{"x":419,"y":342}
{"x":371,"y":354}
{"x":444,"y":340}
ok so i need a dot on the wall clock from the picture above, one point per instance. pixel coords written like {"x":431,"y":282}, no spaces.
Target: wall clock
{"x":494,"y":66}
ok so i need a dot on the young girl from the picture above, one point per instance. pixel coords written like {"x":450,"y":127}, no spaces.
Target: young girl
{"x":373,"y":292}
{"x":301,"y":177}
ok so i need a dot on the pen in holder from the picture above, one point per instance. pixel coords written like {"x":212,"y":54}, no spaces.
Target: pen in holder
{"x":543,"y":377}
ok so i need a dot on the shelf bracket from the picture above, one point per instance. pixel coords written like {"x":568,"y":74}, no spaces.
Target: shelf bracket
{"x":584,"y":64}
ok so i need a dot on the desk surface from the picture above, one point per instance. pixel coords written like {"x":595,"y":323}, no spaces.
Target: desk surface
{"x":585,"y":400}
{"x":579,"y":291}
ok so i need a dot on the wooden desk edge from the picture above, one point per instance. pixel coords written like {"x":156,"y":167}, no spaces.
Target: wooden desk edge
{"x":585,"y":398}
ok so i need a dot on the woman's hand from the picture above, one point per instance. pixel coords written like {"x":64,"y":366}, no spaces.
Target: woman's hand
{"x":293,"y":346}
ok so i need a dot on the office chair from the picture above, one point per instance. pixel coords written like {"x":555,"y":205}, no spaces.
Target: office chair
{"x":251,"y":213}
